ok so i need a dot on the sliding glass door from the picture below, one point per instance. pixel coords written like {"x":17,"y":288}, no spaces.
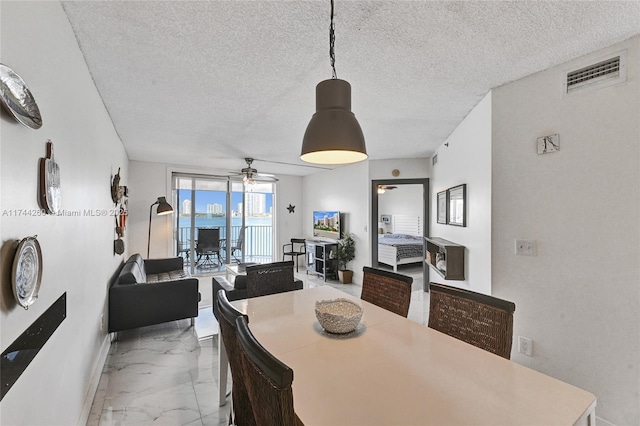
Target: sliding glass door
{"x":240,"y":217}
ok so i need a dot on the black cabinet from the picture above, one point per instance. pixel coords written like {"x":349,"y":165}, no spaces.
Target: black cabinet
{"x":321,"y":258}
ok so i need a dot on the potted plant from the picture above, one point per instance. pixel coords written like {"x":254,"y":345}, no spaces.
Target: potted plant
{"x":345,"y":254}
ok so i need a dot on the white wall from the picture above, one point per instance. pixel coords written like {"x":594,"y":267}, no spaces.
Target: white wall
{"x":578,"y":297}
{"x":149,"y":181}
{"x":59,"y":384}
{"x":467,"y":160}
{"x":403,"y":200}
{"x":409,"y":168}
{"x":345,"y":189}
{"x":289,"y":225}
{"x":152,"y":180}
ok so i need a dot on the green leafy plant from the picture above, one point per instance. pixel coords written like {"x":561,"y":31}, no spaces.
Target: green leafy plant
{"x":346,"y":251}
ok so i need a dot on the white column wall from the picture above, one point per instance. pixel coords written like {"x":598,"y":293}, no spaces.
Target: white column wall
{"x":77,"y":246}
{"x":467,"y":159}
{"x":578,"y":297}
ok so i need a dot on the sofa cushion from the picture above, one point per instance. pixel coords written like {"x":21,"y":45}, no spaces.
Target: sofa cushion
{"x":240,"y":282}
{"x":132,"y":273}
{"x":137,"y":258}
{"x":168,"y":276}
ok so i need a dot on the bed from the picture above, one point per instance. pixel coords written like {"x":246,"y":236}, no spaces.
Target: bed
{"x":404,"y":245}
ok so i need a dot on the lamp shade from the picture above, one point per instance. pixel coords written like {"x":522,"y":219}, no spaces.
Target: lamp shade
{"x":163,"y":206}
{"x":333,"y":135}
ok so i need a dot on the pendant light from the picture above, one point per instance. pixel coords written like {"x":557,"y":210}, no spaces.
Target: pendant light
{"x":333,"y":135}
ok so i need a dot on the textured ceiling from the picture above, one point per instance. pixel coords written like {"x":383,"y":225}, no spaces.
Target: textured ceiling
{"x":207,"y":83}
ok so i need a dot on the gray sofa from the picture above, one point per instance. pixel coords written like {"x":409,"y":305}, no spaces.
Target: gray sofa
{"x":152,"y":291}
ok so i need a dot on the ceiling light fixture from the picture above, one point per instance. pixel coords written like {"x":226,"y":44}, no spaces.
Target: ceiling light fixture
{"x":333,"y":135}
{"x":249,"y":172}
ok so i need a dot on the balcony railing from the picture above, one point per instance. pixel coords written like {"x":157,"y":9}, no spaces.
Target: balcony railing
{"x":258,"y":242}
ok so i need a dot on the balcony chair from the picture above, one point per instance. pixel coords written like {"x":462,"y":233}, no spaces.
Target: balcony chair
{"x":480,"y":320}
{"x":290,"y":249}
{"x":238,"y":246}
{"x":389,"y":290}
{"x":208,"y":246}
{"x":268,"y":381}
{"x":241,"y":411}
{"x":184,"y":250}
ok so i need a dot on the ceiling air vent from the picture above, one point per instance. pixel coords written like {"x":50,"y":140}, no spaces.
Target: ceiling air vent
{"x":434,"y":160}
{"x":604,"y":73}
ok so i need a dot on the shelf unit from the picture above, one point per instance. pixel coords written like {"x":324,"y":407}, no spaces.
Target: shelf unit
{"x":445,"y":257}
{"x":318,"y":261}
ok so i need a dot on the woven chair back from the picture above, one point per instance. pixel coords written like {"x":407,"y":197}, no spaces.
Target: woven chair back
{"x":242,"y":412}
{"x":268,"y":381}
{"x":269,"y":278}
{"x":389,"y":290}
{"x":480,"y":320}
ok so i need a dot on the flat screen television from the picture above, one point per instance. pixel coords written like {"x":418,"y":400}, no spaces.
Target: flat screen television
{"x":326,"y":224}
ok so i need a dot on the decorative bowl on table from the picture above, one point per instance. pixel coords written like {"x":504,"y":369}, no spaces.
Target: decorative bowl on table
{"x":338,"y":316}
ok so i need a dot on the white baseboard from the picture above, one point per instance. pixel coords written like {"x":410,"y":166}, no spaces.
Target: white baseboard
{"x":95,"y":380}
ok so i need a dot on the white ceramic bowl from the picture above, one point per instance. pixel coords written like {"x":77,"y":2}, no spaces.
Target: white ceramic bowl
{"x":338,"y":316}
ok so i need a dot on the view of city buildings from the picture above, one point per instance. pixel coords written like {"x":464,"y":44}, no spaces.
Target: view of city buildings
{"x":256,"y":206}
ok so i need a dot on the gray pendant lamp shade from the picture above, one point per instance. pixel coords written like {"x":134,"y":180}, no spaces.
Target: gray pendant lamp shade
{"x":333,"y":135}
{"x":163,"y":206}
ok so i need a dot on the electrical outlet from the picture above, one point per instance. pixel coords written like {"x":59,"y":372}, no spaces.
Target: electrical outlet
{"x":526,"y":247}
{"x":525,"y":346}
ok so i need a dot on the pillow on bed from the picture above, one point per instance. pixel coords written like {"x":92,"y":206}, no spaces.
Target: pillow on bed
{"x":402,"y":236}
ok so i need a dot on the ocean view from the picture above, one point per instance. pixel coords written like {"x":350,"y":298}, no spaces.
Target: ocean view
{"x":221,"y":222}
{"x":258,"y":236}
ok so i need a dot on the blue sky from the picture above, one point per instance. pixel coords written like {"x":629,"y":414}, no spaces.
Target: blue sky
{"x":216,"y":197}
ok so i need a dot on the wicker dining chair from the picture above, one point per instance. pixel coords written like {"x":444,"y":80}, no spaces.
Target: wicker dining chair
{"x":268,"y":381}
{"x":389,"y":290}
{"x":241,"y":409}
{"x":270,"y":278}
{"x":480,"y":320}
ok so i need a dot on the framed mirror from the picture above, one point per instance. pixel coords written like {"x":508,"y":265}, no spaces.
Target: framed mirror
{"x":456,"y":197}
{"x":442,"y":207}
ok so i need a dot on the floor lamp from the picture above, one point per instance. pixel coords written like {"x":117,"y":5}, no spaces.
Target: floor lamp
{"x":163,"y":208}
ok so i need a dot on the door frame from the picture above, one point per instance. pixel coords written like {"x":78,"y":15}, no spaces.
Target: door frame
{"x":373,"y":226}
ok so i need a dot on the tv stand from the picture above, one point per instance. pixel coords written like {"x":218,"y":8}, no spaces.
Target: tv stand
{"x":319,"y":260}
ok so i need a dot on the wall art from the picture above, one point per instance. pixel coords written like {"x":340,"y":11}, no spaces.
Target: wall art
{"x":27,"y":271}
{"x":50,"y":191}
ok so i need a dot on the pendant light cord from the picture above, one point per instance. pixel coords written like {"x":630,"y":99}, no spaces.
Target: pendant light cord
{"x":332,"y":42}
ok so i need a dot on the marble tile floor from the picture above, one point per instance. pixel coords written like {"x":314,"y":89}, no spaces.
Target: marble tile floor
{"x":167,"y":374}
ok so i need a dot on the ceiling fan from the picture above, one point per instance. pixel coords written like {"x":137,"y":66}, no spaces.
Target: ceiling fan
{"x":250,"y":175}
{"x":383,"y":188}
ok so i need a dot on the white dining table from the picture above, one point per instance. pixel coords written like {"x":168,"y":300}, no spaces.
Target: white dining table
{"x":392,"y":371}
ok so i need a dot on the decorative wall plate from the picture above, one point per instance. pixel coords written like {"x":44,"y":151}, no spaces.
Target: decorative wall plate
{"x":27,"y":271}
{"x":49,"y":182}
{"x":18,"y":99}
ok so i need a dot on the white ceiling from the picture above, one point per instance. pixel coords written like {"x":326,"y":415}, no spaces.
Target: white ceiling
{"x":207,"y":83}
